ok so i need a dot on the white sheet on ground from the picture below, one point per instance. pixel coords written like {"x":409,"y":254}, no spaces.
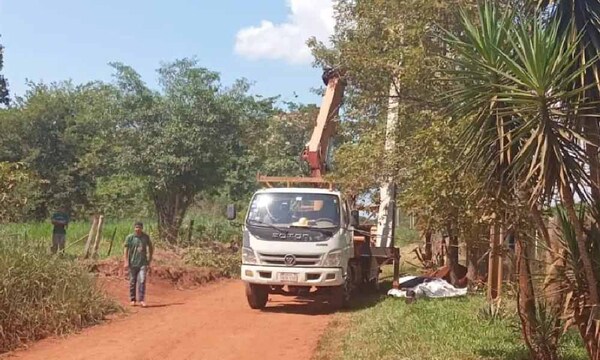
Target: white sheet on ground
{"x":437,"y":288}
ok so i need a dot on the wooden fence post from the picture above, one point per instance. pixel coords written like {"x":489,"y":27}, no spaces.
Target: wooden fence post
{"x":112,"y":239}
{"x":190,"y":232}
{"x":98,"y":236}
{"x":90,"y":239}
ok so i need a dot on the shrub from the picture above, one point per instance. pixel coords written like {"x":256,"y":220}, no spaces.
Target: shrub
{"x":44,"y":295}
{"x":225,"y":261}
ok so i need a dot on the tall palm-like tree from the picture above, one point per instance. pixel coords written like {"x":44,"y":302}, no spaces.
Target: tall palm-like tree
{"x":514,"y":81}
{"x":582,"y":18}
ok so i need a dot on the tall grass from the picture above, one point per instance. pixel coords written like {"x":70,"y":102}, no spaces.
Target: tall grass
{"x":76,"y":234}
{"x":44,"y":295}
{"x":206,"y":228}
{"x":436,"y":329}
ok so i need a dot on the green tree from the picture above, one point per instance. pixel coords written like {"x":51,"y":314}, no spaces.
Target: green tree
{"x":19,"y":191}
{"x":4,"y":99}
{"x":181,"y":138}
{"x":390,"y":49}
{"x":52,"y":130}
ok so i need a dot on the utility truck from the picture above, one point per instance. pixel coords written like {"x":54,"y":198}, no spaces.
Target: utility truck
{"x":301,"y":235}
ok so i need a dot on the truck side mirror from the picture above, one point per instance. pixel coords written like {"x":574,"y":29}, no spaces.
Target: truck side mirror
{"x":354,"y":218}
{"x":231,"y":212}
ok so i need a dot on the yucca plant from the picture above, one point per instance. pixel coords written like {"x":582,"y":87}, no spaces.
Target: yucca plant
{"x":573,"y":281}
{"x":513,"y":87}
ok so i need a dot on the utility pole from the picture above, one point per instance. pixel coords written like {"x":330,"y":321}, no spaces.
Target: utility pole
{"x":386,"y":215}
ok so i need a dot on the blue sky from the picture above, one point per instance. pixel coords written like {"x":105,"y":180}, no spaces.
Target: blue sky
{"x":261,"y":40}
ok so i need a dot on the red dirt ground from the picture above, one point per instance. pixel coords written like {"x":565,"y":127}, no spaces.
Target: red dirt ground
{"x":210,"y":322}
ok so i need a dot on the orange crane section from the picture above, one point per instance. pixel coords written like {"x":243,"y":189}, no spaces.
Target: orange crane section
{"x":315,"y":153}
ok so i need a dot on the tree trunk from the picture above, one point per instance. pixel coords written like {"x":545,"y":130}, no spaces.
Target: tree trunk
{"x":539,"y":348}
{"x":587,"y":330}
{"x":170,"y":209}
{"x":495,"y":263}
{"x":428,"y":246}
{"x":453,"y":255}
{"x":473,"y":255}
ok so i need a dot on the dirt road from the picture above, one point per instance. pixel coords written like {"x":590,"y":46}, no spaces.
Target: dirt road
{"x":213,"y":322}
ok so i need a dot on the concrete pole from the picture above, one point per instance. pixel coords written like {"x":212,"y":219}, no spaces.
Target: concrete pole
{"x":385,"y":218}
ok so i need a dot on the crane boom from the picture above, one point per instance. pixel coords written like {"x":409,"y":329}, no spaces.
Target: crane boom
{"x":315,"y":153}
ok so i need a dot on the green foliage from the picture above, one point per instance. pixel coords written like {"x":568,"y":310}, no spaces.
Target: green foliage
{"x":126,"y":150}
{"x":19,"y":191}
{"x":432,"y":329}
{"x":515,"y":82}
{"x":206,"y":229}
{"x":44,"y":295}
{"x":4,"y":99}
{"x":406,"y":236}
{"x":168,"y":137}
{"x":269,"y":142}
{"x":384,"y":45}
{"x":51,"y":130}
{"x":225,"y":261}
{"x":122,"y":196}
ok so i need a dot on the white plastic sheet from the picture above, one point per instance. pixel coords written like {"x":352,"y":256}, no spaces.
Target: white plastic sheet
{"x":436,"y":288}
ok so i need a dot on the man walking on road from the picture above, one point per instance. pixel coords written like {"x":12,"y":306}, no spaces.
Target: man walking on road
{"x":60,"y":220}
{"x":137,"y":257}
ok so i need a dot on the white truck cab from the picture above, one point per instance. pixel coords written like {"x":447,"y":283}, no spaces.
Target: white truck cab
{"x":300,"y":239}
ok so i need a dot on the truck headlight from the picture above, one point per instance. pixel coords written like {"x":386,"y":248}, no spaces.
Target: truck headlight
{"x":333,"y":259}
{"x":248,"y":256}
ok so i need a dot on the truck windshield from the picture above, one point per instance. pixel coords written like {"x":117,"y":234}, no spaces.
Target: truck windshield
{"x":289,"y":210}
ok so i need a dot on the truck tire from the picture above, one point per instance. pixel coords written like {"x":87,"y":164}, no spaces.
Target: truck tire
{"x":341,"y":295}
{"x":372,"y":286}
{"x":257,"y":295}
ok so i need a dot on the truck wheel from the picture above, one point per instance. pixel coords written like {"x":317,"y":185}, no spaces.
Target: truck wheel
{"x":373,"y":284}
{"x":257,"y":295}
{"x":341,"y":295}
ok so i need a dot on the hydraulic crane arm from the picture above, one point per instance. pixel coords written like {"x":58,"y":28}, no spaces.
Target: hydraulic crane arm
{"x":315,"y":153}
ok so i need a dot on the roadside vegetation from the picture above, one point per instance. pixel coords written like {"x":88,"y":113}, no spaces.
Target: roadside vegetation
{"x":437,"y":329}
{"x":44,"y":295}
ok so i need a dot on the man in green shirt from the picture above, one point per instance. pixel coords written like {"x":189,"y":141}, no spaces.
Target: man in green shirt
{"x":137,"y":257}
{"x":60,"y":220}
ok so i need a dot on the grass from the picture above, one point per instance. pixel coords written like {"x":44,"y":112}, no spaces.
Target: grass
{"x":44,"y":295}
{"x":429,"y":329}
{"x":207,"y":228}
{"x":76,"y":234}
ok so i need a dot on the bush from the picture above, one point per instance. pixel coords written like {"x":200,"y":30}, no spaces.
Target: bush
{"x":44,"y":295}
{"x":209,"y":229}
{"x":226,"y":261}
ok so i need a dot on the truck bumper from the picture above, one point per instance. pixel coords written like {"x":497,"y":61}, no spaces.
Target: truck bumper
{"x":275,"y":275}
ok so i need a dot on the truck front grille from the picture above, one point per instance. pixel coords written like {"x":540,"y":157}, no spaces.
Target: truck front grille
{"x":279,"y":259}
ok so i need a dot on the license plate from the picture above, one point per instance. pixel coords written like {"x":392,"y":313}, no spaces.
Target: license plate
{"x":288,"y":277}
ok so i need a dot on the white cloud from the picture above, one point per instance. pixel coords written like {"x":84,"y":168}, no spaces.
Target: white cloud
{"x":287,"y":41}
